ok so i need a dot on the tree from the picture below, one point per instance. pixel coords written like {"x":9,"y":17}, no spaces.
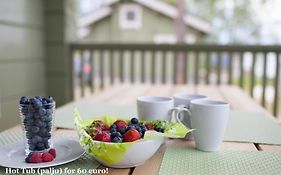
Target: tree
{"x":233,"y":21}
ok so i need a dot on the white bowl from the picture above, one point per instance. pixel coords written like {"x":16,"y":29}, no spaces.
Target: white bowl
{"x":137,"y":154}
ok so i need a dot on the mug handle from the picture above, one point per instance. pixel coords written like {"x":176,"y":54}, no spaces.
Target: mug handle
{"x":179,"y":109}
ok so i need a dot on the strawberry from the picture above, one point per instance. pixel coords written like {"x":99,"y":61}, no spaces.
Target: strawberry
{"x":52,"y":151}
{"x":131,"y":135}
{"x":120,"y":124}
{"x":149,"y":126}
{"x":47,"y":157}
{"x":34,"y":158}
{"x":104,"y":137}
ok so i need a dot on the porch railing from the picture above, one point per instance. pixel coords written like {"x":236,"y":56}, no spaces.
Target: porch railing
{"x":249,"y":66}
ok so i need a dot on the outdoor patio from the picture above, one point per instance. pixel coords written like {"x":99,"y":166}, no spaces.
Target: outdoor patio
{"x":105,"y":72}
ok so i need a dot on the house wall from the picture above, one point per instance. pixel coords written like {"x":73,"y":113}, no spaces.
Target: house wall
{"x":108,"y":30}
{"x":22,"y":70}
{"x":59,"y":16}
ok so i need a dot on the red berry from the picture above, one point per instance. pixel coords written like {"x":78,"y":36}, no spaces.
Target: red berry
{"x":149,"y":126}
{"x":120,"y":124}
{"x":104,"y":137}
{"x":52,"y":151}
{"x":47,"y":157}
{"x":131,"y":135}
{"x":35,"y":158}
{"x":100,"y":124}
{"x":94,"y":131}
{"x":105,"y":127}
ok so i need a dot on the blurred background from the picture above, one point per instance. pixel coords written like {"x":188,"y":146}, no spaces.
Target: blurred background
{"x":70,"y":49}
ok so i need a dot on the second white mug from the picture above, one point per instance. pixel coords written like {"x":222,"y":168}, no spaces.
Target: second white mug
{"x":154,"y":107}
{"x":183,"y":100}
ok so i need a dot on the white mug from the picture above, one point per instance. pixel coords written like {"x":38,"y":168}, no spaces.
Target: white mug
{"x":209,"y":118}
{"x":156,"y":108}
{"x":183,"y":100}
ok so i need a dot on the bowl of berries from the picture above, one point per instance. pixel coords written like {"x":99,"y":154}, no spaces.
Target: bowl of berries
{"x":123,"y":142}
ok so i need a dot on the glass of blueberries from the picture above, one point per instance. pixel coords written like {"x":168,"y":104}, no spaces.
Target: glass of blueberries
{"x":37,"y":116}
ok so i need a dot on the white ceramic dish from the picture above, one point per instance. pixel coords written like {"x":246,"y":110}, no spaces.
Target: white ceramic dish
{"x":13,"y":155}
{"x":137,"y":154}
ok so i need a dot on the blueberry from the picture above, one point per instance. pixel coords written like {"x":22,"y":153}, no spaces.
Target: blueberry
{"x":117,"y":140}
{"x":43,"y":131}
{"x":30,"y":142}
{"x":38,"y":97}
{"x":31,"y":109}
{"x":113,"y":126}
{"x":36,"y":115}
{"x":49,"y":125}
{"x":37,"y":103}
{"x":134,"y":121}
{"x":157,"y":129}
{"x":47,"y":145}
{"x":122,"y":130}
{"x":49,"y":111}
{"x":38,"y":123}
{"x":116,"y":134}
{"x":119,"y":134}
{"x":45,"y":140}
{"x":36,"y":139}
{"x":48,"y":118}
{"x":35,"y":129}
{"x":40,"y":146}
{"x":23,"y":100}
{"x":141,"y":135}
{"x":28,"y":135}
{"x":28,"y":128}
{"x":131,"y":127}
{"x":31,"y":101}
{"x":48,"y":135}
{"x":50,"y":99}
{"x":32,"y":147}
{"x":24,"y":110}
{"x":139,"y":129}
{"x":143,"y":128}
{"x":42,"y":111}
{"x":112,"y":130}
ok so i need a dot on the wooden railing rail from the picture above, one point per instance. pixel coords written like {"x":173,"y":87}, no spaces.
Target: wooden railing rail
{"x":104,"y":64}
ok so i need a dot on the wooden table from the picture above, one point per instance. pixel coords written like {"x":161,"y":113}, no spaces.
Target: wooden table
{"x":127,"y":94}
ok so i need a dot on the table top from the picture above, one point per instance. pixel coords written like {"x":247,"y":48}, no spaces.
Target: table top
{"x":127,"y":94}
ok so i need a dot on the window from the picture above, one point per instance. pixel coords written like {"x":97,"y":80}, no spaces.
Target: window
{"x":130,"y":16}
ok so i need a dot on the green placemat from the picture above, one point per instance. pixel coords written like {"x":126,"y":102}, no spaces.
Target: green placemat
{"x":84,"y":162}
{"x":64,"y":117}
{"x":252,"y":127}
{"x":183,"y":161}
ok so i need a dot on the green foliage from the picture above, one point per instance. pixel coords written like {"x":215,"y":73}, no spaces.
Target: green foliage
{"x":232,"y":21}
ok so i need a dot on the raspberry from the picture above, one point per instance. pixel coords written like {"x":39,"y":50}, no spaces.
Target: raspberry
{"x":52,"y":151}
{"x":104,"y":137}
{"x":47,"y":157}
{"x":131,"y":135}
{"x":34,"y":158}
{"x":100,"y":124}
{"x":120,"y":124}
{"x":149,"y":126}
